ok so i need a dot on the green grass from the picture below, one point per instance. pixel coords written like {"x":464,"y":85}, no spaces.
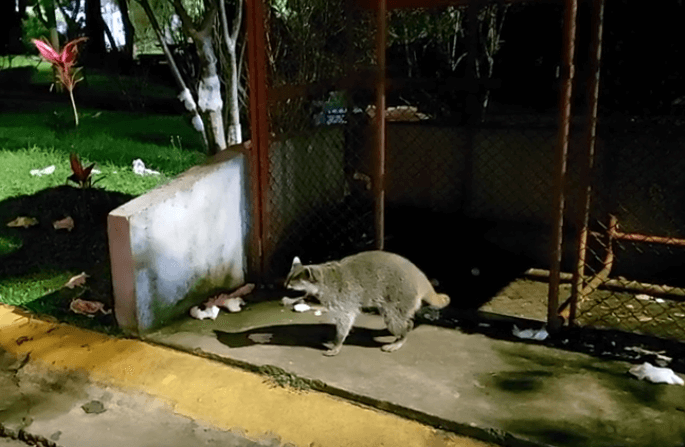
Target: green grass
{"x":41,"y":135}
{"x":19,"y":290}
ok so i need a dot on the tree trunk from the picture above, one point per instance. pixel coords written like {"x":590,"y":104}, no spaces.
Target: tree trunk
{"x":95,"y":30}
{"x":128,"y":28}
{"x":231,"y":71}
{"x":234,"y":134}
{"x":209,"y":93}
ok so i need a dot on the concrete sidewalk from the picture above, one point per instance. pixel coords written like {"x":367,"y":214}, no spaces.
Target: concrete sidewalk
{"x":154,"y":396}
{"x":508,"y":392}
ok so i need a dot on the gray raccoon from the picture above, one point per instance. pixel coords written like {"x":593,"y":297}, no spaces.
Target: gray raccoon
{"x":379,"y":279}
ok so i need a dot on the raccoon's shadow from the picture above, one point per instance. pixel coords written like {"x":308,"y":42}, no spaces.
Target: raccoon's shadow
{"x":303,"y":335}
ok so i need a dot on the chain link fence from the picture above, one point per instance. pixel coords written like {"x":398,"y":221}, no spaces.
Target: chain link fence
{"x":632,"y":272}
{"x":318,"y":196}
{"x":469,"y":157}
{"x":472,"y":129}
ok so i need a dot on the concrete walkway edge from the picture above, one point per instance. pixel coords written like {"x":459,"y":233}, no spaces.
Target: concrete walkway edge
{"x":231,"y":396}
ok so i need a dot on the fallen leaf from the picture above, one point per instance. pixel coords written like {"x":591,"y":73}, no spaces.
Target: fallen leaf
{"x":23,"y":221}
{"x":77,"y":280}
{"x":89,"y":308}
{"x":241,"y":291}
{"x":65,"y":224}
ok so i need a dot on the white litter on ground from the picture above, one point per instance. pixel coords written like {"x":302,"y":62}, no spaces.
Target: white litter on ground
{"x":301,"y":307}
{"x":288,"y":302}
{"x":77,"y":281}
{"x":140,"y":169}
{"x":644,"y":296}
{"x":660,"y":359}
{"x":654,"y":374}
{"x":530,"y":334}
{"x":234,"y":304}
{"x":41,"y":172}
{"x":210,"y":312}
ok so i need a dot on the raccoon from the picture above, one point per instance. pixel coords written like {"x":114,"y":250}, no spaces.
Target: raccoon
{"x":379,"y":279}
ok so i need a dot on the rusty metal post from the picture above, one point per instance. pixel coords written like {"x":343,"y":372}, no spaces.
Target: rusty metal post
{"x":379,"y":180}
{"x":553,"y":320}
{"x":588,"y":159}
{"x":258,"y":156}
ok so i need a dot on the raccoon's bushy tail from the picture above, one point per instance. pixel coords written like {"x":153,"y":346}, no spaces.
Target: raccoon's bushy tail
{"x":438,"y":300}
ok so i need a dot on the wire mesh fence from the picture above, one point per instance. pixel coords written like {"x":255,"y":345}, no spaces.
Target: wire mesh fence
{"x":471,"y":133}
{"x":318,"y":204}
{"x":636,"y":246}
{"x":468,"y":158}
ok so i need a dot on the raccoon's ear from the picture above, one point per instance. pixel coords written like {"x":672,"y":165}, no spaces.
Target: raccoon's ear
{"x":296,"y":262}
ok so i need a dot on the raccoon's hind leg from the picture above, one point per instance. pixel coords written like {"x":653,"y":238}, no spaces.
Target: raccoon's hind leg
{"x":399,"y":327}
{"x":343,"y":324}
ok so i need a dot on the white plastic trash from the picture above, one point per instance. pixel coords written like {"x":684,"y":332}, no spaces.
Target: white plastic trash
{"x":530,"y":334}
{"x":41,"y":172}
{"x":140,"y":169}
{"x":654,"y":374}
{"x":210,"y":312}
{"x":301,"y":307}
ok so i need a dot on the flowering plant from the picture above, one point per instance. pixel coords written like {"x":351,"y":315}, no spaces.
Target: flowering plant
{"x":64,"y":63}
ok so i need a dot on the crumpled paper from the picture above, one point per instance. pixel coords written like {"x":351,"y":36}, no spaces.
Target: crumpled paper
{"x":76,"y":281}
{"x":530,"y":334}
{"x":654,"y":374}
{"x":140,"y":169}
{"x":301,"y":307}
{"x":209,"y":312}
{"x":229,"y":301}
{"x":41,"y":172}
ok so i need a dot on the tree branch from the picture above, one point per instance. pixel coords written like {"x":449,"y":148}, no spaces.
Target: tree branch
{"x":238,"y":20}
{"x":210,"y":16}
{"x":229,"y":40}
{"x":186,"y":21}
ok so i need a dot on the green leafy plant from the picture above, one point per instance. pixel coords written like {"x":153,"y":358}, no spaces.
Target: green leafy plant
{"x":64,"y":63}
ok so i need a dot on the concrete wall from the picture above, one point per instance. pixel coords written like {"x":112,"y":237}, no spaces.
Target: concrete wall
{"x":176,"y":244}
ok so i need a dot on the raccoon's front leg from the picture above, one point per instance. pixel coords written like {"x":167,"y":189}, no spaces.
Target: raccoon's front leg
{"x":343,"y":324}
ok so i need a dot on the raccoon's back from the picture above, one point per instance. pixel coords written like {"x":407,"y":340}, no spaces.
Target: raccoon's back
{"x":382,"y":273}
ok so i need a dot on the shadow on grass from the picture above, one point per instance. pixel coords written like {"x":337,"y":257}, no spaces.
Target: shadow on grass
{"x":41,"y":248}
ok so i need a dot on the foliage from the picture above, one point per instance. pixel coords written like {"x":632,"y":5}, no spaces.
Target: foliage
{"x":32,"y":28}
{"x":80,"y":175}
{"x":64,"y":63}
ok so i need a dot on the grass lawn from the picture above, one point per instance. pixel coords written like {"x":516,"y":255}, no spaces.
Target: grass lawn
{"x":36,"y":262}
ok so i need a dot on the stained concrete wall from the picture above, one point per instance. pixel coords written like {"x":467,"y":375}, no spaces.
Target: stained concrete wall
{"x":176,"y":244}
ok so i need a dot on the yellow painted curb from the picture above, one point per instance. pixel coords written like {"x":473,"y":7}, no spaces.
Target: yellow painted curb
{"x":223,"y":396}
